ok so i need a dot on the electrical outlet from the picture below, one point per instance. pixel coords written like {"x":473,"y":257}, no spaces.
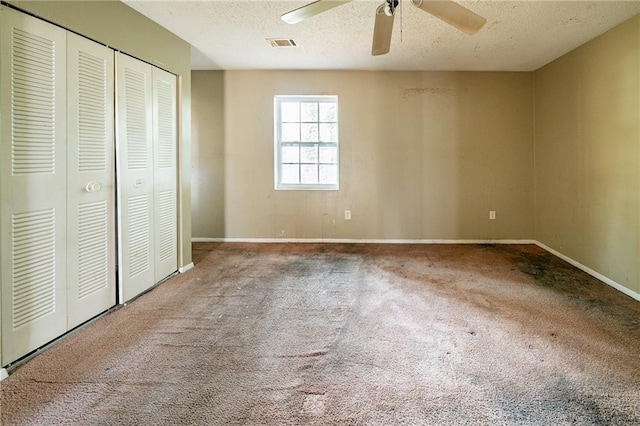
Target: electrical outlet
{"x":347,"y":215}
{"x":492,"y":215}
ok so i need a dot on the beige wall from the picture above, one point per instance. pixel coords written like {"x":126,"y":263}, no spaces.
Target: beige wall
{"x":587,"y":154}
{"x":423,"y":155}
{"x":207,"y":201}
{"x":122,"y":28}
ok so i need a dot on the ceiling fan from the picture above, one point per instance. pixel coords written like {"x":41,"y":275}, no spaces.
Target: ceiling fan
{"x":449,"y":11}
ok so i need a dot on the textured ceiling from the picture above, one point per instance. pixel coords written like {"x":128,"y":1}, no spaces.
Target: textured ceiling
{"x":519,"y":36}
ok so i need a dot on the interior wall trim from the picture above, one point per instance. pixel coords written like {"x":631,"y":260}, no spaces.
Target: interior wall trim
{"x":185,"y":268}
{"x":3,"y":374}
{"x":355,"y":241}
{"x":591,"y":272}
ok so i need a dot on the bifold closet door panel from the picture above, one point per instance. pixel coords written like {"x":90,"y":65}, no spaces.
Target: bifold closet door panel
{"x":165,"y":173}
{"x":32,"y":183}
{"x":91,"y":232}
{"x":135,"y":175}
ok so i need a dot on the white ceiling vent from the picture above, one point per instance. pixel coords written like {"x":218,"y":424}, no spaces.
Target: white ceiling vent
{"x":281,"y":42}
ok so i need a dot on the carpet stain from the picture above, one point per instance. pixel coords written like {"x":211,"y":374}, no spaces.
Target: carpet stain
{"x":559,"y":394}
{"x":306,"y":355}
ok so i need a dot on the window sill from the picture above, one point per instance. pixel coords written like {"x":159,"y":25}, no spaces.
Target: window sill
{"x":307,"y":188}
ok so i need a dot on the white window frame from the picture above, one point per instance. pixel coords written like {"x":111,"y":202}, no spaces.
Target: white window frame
{"x":277,"y":100}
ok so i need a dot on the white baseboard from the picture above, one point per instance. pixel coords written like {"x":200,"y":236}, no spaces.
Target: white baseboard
{"x":3,"y":374}
{"x":185,"y":268}
{"x":590,"y":271}
{"x":356,"y":241}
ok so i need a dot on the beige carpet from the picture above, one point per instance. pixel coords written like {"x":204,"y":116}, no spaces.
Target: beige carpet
{"x":348,"y":334}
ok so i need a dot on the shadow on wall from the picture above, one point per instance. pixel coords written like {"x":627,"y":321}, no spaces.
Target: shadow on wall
{"x":208,"y":165}
{"x":458,"y":146}
{"x":419,"y":161}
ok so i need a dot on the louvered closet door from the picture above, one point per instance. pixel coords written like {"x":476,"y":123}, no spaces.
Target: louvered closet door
{"x":32,"y":183}
{"x":135,"y":175}
{"x":91,"y":266}
{"x":165,"y":174}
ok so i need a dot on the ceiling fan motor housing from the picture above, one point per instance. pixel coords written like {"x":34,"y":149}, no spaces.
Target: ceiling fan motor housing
{"x":390,"y":7}
{"x":448,"y":11}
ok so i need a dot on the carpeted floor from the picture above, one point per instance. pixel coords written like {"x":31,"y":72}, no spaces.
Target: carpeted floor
{"x":344,"y":334}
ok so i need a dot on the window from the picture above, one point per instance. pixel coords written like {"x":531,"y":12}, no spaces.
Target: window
{"x":306,"y":142}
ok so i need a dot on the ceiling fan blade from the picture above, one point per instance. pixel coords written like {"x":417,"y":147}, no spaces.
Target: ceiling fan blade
{"x":311,"y":9}
{"x":453,"y":14}
{"x":382,"y":32}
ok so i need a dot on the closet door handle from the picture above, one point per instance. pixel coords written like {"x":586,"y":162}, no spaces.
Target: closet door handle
{"x":137,"y":183}
{"x":93,"y":187}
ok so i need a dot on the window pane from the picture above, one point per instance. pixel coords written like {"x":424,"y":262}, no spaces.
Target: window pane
{"x":307,"y":142}
{"x":308,"y":173}
{"x":309,"y":154}
{"x":290,"y":111}
{"x":290,"y":154}
{"x":290,"y":132}
{"x":328,"y":154}
{"x":309,"y":132}
{"x":309,"y":111}
{"x":329,"y":175}
{"x":290,"y":173}
{"x":328,"y":112}
{"x":328,"y":132}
